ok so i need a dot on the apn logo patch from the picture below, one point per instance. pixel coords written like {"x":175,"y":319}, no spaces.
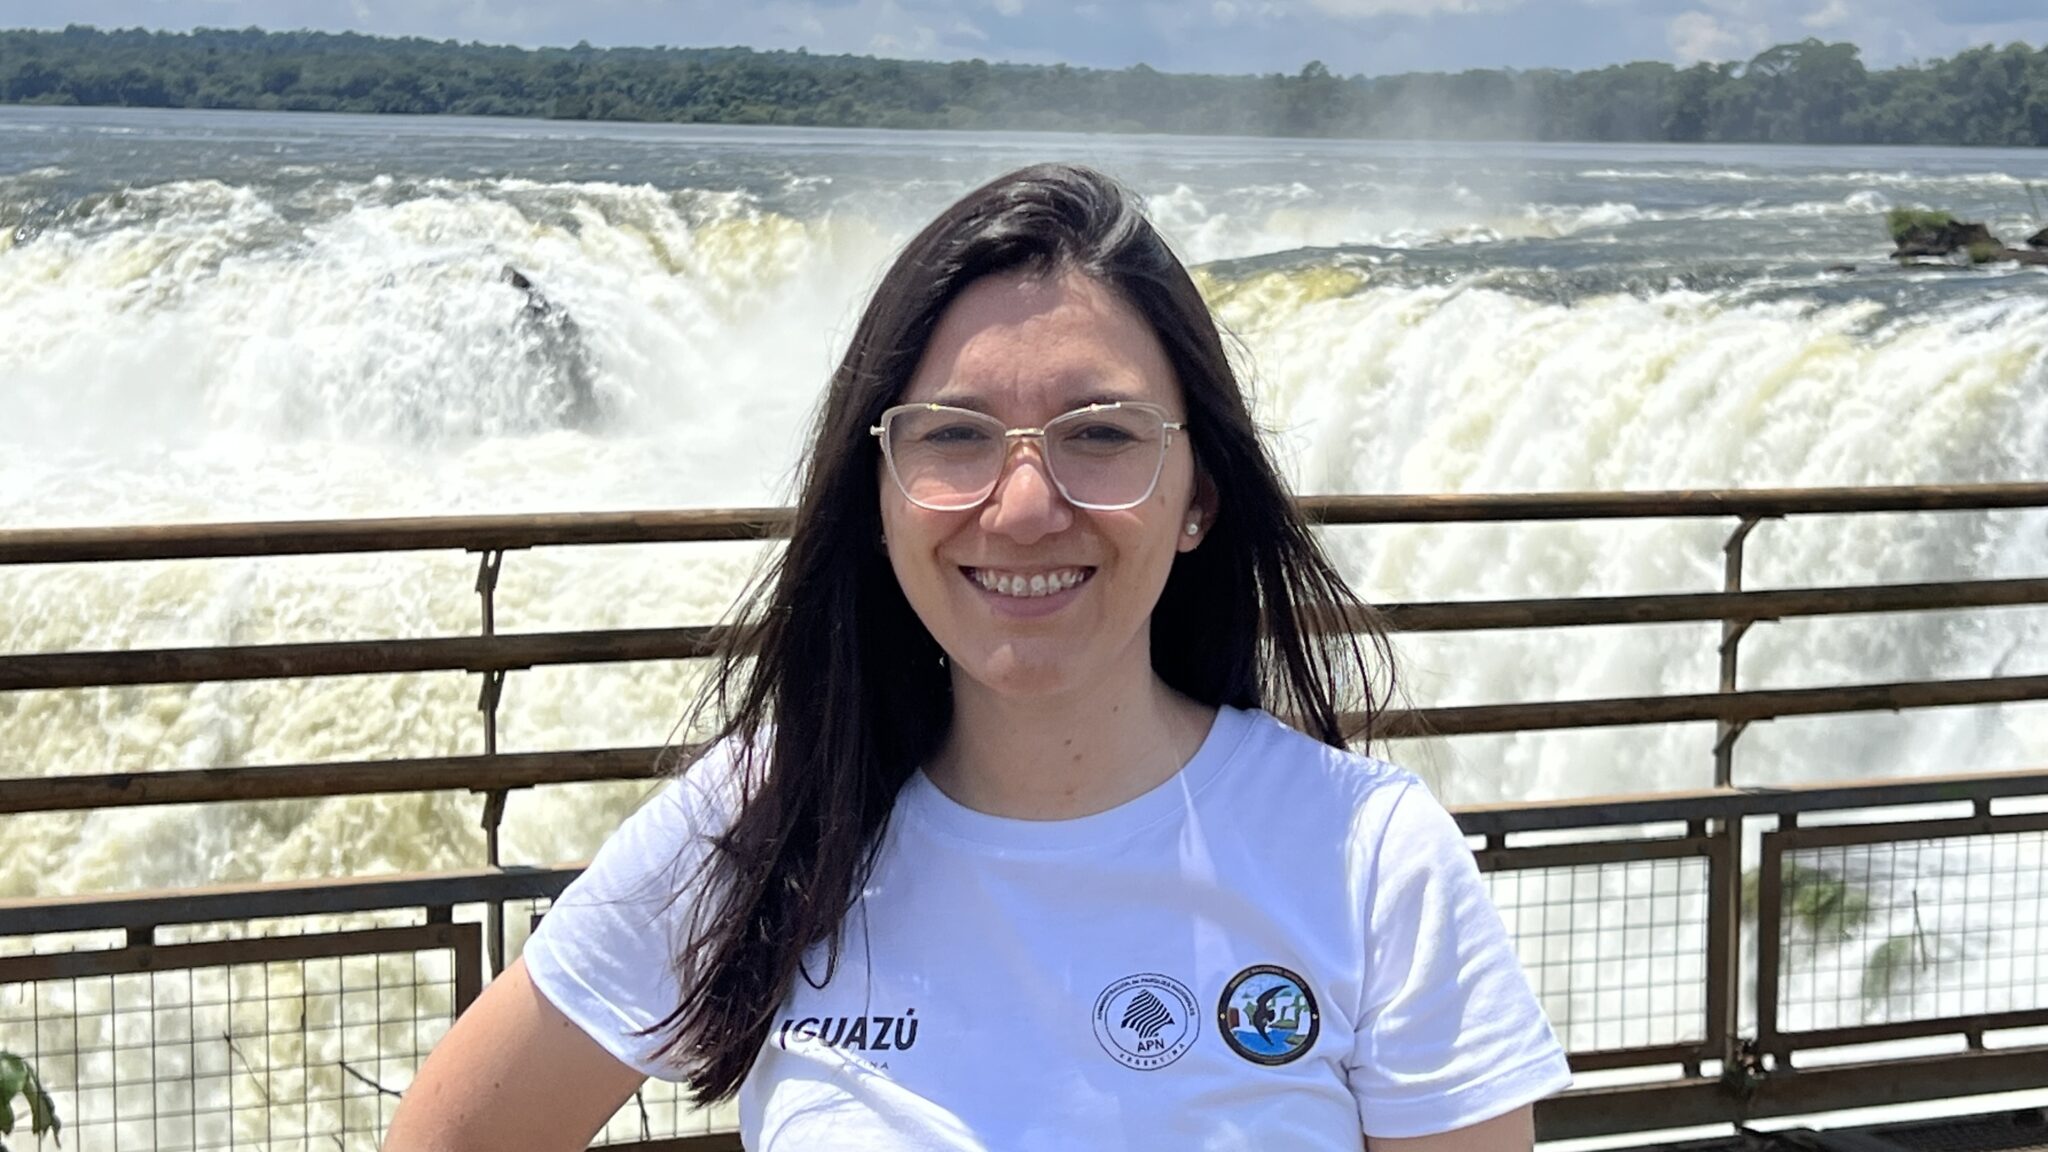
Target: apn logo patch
{"x":1146,"y":1021}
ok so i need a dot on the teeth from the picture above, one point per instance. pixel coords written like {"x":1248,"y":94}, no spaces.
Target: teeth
{"x":1038,"y":584}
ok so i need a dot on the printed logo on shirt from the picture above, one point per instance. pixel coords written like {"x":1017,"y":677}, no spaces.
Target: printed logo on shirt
{"x":1146,"y":1021}
{"x":1268,"y":1015}
{"x":858,"y":1033}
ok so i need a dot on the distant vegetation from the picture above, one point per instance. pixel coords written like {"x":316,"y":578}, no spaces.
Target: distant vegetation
{"x":1810,"y":92}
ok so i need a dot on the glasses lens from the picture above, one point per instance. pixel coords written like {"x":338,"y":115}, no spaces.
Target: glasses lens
{"x":944,"y":457}
{"x":1107,"y":457}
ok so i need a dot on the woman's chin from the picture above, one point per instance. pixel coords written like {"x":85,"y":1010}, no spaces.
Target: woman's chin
{"x":1023,"y":671}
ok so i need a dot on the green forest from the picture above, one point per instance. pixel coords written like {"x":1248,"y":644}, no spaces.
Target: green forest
{"x":1805,"y":93}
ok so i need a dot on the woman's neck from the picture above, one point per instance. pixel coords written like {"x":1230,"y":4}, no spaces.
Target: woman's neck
{"x":1057,"y":758}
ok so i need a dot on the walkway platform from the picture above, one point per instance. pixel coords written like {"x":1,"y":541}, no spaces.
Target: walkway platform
{"x":2024,"y":1130}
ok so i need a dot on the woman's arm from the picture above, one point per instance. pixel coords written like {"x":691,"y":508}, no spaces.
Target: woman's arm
{"x":513,"y":1073}
{"x":1512,"y":1132}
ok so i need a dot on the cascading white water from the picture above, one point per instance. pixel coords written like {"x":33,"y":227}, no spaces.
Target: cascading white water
{"x":1466,"y":389}
{"x":202,"y":334}
{"x":308,"y":344}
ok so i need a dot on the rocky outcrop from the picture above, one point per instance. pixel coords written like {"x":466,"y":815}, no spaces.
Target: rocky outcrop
{"x":1918,"y":235}
{"x":1921,"y":235}
{"x":555,"y":344}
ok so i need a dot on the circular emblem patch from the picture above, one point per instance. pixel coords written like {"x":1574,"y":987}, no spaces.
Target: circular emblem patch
{"x":1268,"y":1015}
{"x":1146,"y":1021}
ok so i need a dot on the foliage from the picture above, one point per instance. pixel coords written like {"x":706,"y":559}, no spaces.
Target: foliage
{"x":1818,"y":903}
{"x":18,"y":1079}
{"x":1891,"y":961}
{"x":1810,"y":92}
{"x":1903,"y":222}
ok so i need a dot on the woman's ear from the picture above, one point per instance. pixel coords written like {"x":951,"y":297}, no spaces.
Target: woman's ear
{"x":1201,"y":513}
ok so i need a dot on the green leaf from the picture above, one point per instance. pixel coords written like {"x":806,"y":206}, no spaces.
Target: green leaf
{"x":17,"y":1078}
{"x":42,"y":1110}
{"x":1815,"y":903}
{"x":1892,"y":960}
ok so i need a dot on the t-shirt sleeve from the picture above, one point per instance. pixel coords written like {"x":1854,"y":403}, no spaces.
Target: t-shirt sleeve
{"x":1448,"y":1032}
{"x":605,"y":953}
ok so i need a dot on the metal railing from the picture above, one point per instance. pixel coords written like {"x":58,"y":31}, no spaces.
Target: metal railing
{"x":1661,"y":993}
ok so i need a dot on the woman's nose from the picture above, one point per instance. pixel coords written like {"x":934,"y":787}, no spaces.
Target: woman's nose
{"x":1026,"y":504}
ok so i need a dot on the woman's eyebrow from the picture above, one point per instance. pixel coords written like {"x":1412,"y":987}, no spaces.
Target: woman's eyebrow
{"x":967,"y":400}
{"x":1095,"y":393}
{"x":1098,"y":397}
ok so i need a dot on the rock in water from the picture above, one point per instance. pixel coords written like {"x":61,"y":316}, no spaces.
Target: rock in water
{"x":1937,"y":234}
{"x":2038,"y":239}
{"x":557,"y":343}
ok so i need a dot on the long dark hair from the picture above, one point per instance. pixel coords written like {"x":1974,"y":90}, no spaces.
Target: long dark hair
{"x":829,"y":692}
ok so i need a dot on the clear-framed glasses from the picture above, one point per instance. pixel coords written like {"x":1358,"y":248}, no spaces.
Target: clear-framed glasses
{"x":1105,"y":457}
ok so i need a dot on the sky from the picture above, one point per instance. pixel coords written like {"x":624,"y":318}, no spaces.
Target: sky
{"x":1374,"y":37}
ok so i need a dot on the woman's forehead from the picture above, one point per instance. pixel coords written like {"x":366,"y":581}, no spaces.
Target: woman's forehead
{"x":1021,"y":339}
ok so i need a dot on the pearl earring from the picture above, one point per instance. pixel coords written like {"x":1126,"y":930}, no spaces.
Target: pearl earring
{"x":1194,"y":527}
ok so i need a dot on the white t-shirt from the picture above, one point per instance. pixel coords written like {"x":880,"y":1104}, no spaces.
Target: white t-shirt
{"x":1284,"y":946}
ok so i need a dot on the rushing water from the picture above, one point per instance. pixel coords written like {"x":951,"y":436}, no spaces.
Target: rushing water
{"x":238,"y":316}
{"x":246,"y":316}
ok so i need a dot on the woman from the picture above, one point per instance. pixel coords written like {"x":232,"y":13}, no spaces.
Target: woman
{"x":996,"y":849}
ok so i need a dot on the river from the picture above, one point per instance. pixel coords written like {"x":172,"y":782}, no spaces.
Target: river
{"x":225,"y":316}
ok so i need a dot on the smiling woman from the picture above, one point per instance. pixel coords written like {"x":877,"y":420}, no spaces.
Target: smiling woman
{"x":998,"y":845}
{"x":1031,"y":591}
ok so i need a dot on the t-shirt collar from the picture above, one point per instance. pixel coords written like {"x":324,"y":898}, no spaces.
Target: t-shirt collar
{"x":923,"y":801}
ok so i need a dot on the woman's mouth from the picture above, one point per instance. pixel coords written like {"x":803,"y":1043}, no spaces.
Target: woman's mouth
{"x":1028,"y":585}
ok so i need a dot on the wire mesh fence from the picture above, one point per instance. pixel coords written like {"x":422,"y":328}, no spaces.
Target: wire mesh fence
{"x":283,"y":1034}
{"x":256,"y":1042}
{"x":1617,"y":950}
{"x":1892,"y":931}
{"x":300,"y":1031}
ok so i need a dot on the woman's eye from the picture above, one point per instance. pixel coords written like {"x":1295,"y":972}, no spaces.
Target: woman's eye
{"x":1100,"y":434}
{"x":955,"y":434}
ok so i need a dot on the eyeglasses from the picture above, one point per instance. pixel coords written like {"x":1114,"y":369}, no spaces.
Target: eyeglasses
{"x":1105,"y":457}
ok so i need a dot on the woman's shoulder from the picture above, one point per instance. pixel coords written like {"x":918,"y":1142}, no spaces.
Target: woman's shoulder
{"x":1339,"y":773}
{"x":1345,"y":795}
{"x":676,"y":821}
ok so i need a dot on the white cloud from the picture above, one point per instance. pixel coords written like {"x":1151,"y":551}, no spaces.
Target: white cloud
{"x":1699,"y":36}
{"x":1225,"y":13}
{"x":1366,"y":8}
{"x":1007,"y":7}
{"x":1829,"y":15}
{"x":917,"y":41}
{"x":1728,"y":29}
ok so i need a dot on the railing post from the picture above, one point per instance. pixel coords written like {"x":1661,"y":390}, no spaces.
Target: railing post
{"x":487,"y":703}
{"x":1724,"y":914}
{"x":1770,"y":915}
{"x":1725,"y":731}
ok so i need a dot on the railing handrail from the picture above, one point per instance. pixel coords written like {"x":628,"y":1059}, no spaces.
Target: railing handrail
{"x":513,"y":532}
{"x":91,"y":792}
{"x":1713,"y":820}
{"x":333,"y":895}
{"x":513,"y":651}
{"x":328,"y":896}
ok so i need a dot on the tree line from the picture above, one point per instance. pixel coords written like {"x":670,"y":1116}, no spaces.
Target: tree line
{"x":1805,"y":93}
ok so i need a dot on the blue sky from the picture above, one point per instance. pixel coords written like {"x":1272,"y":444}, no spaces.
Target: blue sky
{"x":1350,"y":36}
